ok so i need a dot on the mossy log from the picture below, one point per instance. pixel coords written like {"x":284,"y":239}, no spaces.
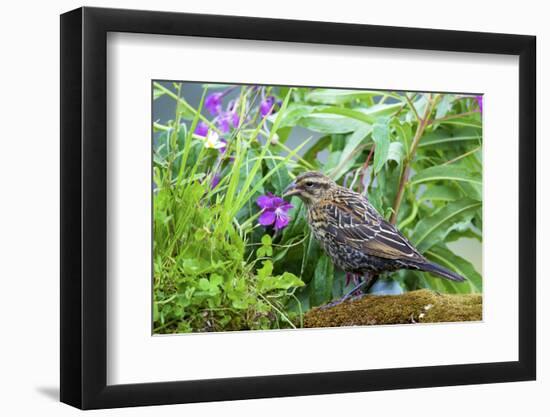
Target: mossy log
{"x":422,"y":306}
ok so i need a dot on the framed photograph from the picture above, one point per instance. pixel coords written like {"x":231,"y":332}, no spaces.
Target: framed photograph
{"x":255,"y":208}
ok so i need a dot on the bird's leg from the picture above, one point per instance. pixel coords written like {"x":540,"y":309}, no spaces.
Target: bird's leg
{"x":369,"y":280}
{"x":349,"y":277}
{"x":347,"y":296}
{"x":356,"y":280}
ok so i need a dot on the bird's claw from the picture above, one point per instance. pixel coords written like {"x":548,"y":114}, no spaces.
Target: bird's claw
{"x":332,"y":304}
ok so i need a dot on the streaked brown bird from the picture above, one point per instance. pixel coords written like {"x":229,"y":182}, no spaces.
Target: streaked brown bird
{"x":355,"y":236}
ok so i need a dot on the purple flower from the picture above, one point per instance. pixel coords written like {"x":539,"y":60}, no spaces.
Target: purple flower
{"x":213,"y":103}
{"x":266,"y":106}
{"x":480,"y":103}
{"x":274,"y":211}
{"x":215,"y":181}
{"x":227,"y":120}
{"x":223,"y":124}
{"x":201,"y":129}
{"x":223,"y":148}
{"x":235,"y":119}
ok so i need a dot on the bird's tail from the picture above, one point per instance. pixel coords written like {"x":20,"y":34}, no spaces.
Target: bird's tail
{"x":442,"y":272}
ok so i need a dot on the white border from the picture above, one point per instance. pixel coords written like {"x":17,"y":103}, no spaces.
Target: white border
{"x":134,"y":356}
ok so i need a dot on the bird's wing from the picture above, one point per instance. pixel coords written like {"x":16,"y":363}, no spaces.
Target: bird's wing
{"x":355,"y":222}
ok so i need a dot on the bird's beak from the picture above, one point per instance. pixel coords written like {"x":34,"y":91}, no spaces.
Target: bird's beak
{"x":291,"y":190}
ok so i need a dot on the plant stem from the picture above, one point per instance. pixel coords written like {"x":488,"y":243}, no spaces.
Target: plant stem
{"x":283,"y":315}
{"x":365,"y":167}
{"x":464,"y":155}
{"x":422,"y":123}
{"x":168,"y":323}
{"x":453,"y":116}
{"x":411,"y":105}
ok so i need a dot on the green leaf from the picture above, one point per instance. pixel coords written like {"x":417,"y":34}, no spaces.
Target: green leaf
{"x":155,"y":312}
{"x":283,"y":134}
{"x":440,"y":193}
{"x":470,"y":233}
{"x":195,"y":266}
{"x":355,"y":140}
{"x":381,"y":110}
{"x":439,"y":136}
{"x":266,"y":270}
{"x":280,"y":282}
{"x":444,"y":257}
{"x":204,"y":284}
{"x":467,"y":121}
{"x":320,"y":288}
{"x":471,"y":190}
{"x":288,"y":280}
{"x":433,"y":229}
{"x":381,"y":137}
{"x":266,"y":249}
{"x":444,"y":106}
{"x":446,"y":173}
{"x":396,"y":152}
{"x":157,"y":93}
{"x":292,"y":114}
{"x":329,"y":123}
{"x":184,"y":111}
{"x":403,"y":131}
{"x":312,"y":254}
{"x":216,"y":280}
{"x":333,"y":161}
{"x":266,"y":240}
{"x":240,"y":304}
{"x":280,"y":178}
{"x":334,"y":96}
{"x":352,"y":114}
{"x":368,"y":116}
{"x":311,"y":153}
{"x":351,"y":150}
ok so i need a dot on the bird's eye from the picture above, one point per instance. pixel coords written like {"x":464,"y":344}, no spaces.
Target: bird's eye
{"x":309,"y":184}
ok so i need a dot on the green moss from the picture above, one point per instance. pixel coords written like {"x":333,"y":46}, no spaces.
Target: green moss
{"x":422,"y":306}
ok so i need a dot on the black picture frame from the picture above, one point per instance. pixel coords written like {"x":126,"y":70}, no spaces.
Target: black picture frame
{"x":84,"y":207}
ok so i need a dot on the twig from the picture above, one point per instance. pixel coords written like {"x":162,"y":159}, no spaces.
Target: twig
{"x":283,"y":315}
{"x":365,"y":167}
{"x":411,"y":105}
{"x":422,"y":123}
{"x":464,"y":155}
{"x":404,"y":105}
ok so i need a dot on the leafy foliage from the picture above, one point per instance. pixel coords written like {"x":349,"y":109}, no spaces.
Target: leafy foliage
{"x":416,"y":156}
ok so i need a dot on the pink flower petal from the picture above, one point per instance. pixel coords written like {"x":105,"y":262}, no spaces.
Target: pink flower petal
{"x":265,"y":201}
{"x":281,"y":221}
{"x":213,"y":103}
{"x":286,"y":206}
{"x":267,"y":218}
{"x":201,"y":129}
